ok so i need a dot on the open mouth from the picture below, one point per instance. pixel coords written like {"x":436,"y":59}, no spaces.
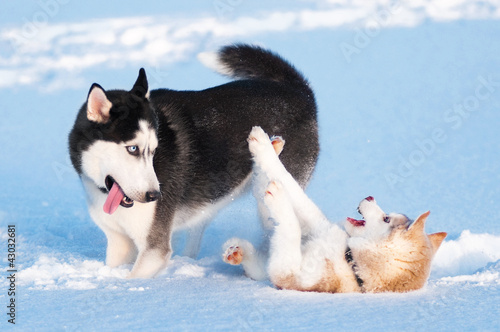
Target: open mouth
{"x":356,"y":222}
{"x":359,"y":222}
{"x":116,"y":197}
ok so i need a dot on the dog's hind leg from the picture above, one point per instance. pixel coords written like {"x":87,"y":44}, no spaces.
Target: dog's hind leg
{"x":285,"y":255}
{"x":255,"y":260}
{"x":268,"y":163}
{"x":193,"y":240}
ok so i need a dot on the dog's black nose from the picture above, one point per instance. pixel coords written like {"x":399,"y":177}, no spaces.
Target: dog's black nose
{"x":152,"y":196}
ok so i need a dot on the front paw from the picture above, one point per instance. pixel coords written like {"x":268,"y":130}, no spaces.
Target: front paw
{"x":233,"y":255}
{"x":259,"y":142}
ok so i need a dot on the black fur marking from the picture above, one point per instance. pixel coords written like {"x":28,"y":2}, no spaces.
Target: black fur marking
{"x":253,"y":62}
{"x":203,"y":153}
{"x":127,"y":110}
{"x":352,"y":264}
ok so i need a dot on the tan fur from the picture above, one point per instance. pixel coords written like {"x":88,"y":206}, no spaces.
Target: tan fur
{"x":380,"y":253}
{"x":399,"y":263}
{"x":436,"y":240}
{"x":331,"y":282}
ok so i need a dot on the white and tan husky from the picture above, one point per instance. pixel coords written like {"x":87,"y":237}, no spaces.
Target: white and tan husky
{"x":379,"y":253}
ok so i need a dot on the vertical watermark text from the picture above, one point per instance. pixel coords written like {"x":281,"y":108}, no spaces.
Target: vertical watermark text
{"x":11,"y":271}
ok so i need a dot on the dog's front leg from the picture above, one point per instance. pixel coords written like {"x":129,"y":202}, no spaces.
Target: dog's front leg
{"x":149,"y":262}
{"x":120,"y":250}
{"x":154,"y":254}
{"x":154,"y":242}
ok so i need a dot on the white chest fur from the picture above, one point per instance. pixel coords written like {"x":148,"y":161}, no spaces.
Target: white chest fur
{"x":135,"y":222}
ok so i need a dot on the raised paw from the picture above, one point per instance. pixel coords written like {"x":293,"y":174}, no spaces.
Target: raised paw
{"x":258,"y":134}
{"x":278,"y":143}
{"x":233,"y":255}
{"x":258,"y":141}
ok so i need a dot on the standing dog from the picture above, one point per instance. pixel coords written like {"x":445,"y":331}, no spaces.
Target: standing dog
{"x":153,"y":162}
{"x":380,"y":253}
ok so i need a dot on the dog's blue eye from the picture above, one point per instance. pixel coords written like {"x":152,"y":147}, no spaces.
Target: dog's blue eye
{"x":387,"y":219}
{"x":133,"y":150}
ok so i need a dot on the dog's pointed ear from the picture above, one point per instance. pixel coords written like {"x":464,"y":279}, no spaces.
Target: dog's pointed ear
{"x":141,"y":87}
{"x":419,"y":224}
{"x":436,"y":239}
{"x":98,"y":105}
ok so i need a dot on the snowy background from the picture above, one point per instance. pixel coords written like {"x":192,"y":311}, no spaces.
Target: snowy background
{"x":409,"y":111}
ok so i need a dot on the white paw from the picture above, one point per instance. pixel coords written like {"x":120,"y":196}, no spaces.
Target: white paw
{"x":233,"y":255}
{"x":263,"y":152}
{"x":259,"y":142}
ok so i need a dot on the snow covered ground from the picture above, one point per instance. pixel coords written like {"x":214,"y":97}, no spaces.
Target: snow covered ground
{"x":409,"y":99}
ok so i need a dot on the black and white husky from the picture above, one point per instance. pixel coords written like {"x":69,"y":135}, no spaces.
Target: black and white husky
{"x":153,"y":162}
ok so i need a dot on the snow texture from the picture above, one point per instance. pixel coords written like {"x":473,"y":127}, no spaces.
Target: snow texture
{"x":409,"y":99}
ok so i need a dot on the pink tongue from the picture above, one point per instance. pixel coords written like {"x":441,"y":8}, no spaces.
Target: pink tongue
{"x":114,"y":199}
{"x":356,"y":222}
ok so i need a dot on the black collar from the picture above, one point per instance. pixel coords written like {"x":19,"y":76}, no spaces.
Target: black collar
{"x":352,"y":263}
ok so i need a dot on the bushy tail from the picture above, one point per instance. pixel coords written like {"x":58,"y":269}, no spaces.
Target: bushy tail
{"x":253,"y":62}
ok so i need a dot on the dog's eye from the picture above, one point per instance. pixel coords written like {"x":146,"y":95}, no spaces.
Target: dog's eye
{"x":133,"y":150}
{"x":387,"y":219}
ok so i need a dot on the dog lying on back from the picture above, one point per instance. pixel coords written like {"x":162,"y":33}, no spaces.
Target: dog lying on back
{"x":379,"y":253}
